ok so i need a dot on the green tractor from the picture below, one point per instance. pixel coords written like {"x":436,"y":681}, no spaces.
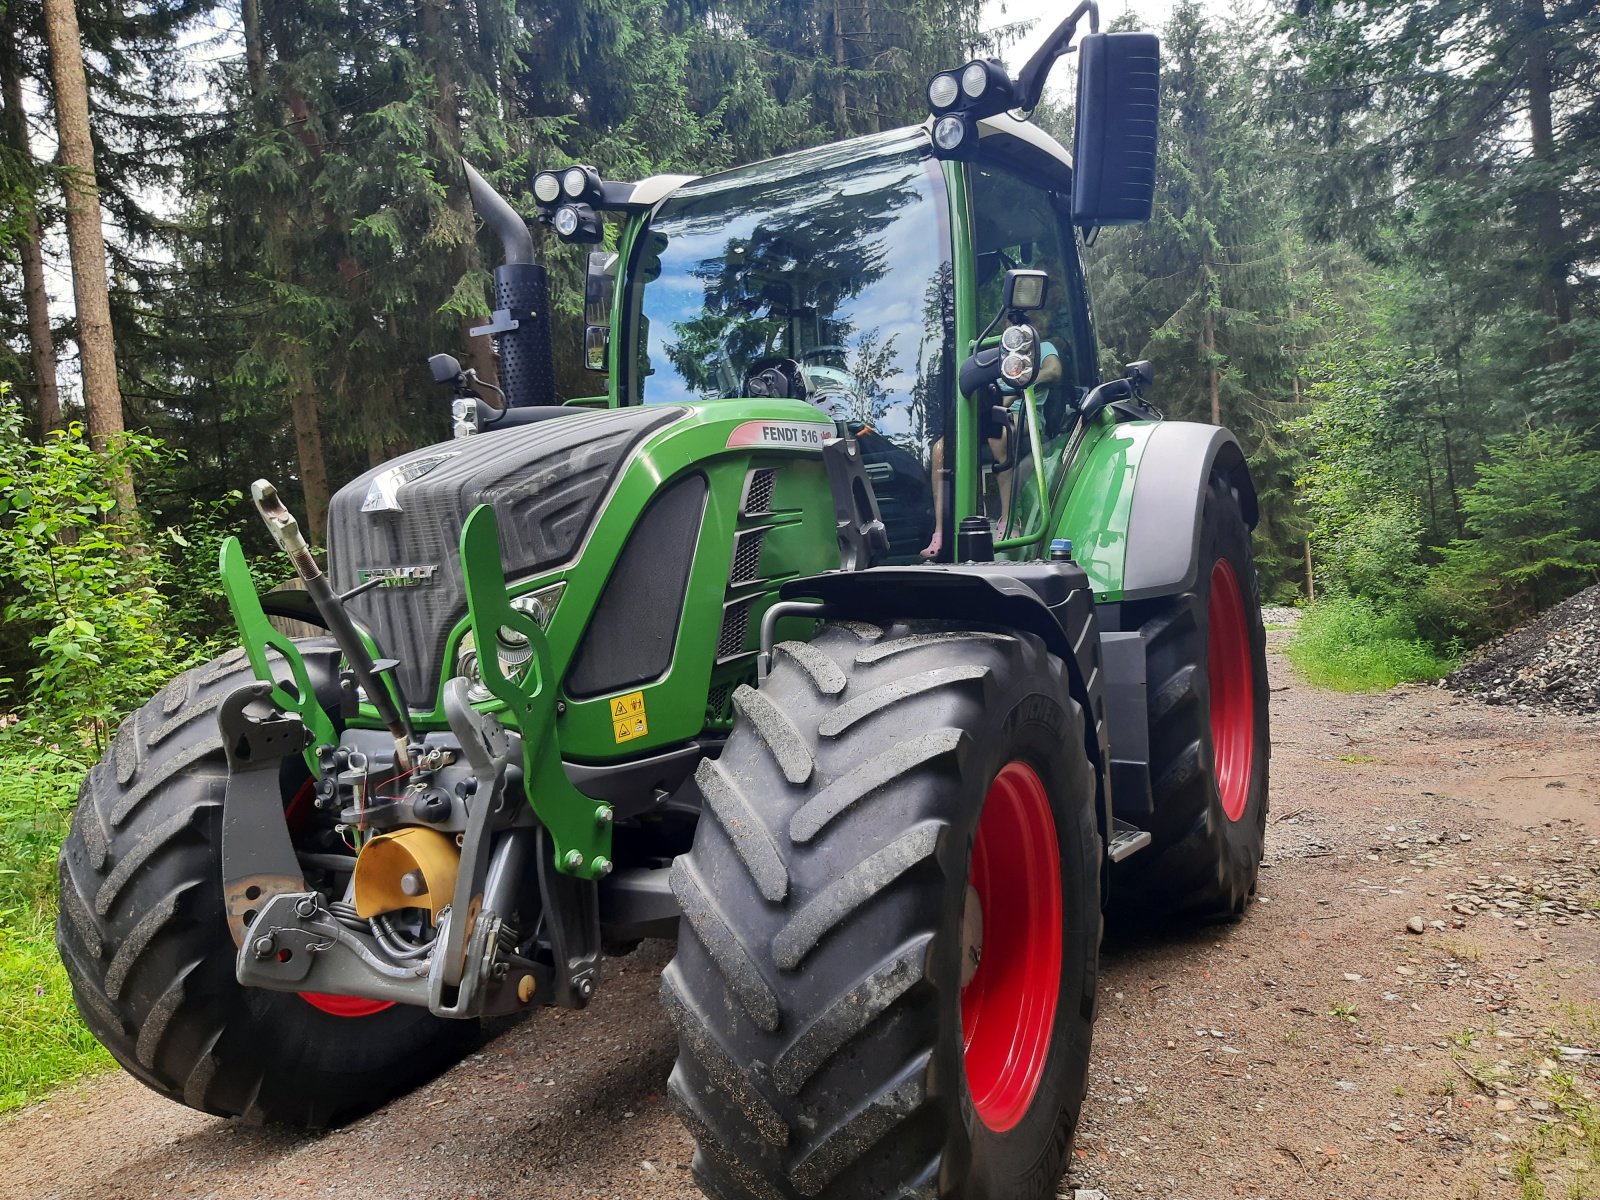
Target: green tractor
{"x":860,"y":636}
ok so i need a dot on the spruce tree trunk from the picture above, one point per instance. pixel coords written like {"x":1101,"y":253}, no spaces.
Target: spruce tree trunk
{"x":437,"y":50}
{"x":303,"y":412}
{"x":1209,"y":333}
{"x":102,"y":398}
{"x":1545,"y":202}
{"x":30,"y":249}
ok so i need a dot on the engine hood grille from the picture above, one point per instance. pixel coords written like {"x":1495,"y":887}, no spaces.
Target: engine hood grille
{"x":403,"y":521}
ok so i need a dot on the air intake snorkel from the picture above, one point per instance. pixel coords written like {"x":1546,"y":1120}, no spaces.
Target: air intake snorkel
{"x":520,"y":324}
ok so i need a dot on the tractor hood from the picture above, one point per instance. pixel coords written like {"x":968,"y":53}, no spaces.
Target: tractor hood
{"x":401,"y":523}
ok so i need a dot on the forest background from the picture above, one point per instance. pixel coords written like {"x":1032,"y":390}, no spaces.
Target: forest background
{"x":1374,"y":256}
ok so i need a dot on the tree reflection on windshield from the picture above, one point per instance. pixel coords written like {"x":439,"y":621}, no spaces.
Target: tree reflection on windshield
{"x":843,"y":268}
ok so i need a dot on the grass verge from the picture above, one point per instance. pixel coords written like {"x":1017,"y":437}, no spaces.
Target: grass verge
{"x":43,"y":1044}
{"x":1348,"y":645}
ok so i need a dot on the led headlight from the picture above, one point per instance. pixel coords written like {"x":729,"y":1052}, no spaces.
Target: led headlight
{"x":949,"y":133}
{"x":942,"y":91}
{"x":1017,"y":369}
{"x":547,"y":187}
{"x":566,"y":220}
{"x":573,"y":181}
{"x":512,"y":649}
{"x":975,"y":79}
{"x":1017,"y":338}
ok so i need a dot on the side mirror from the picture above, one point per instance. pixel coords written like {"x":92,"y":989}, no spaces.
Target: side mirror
{"x":599,"y":290}
{"x":596,"y":340}
{"x":1140,"y":374}
{"x":1114,"y":150}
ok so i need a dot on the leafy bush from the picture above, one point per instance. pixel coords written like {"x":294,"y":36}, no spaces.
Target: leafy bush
{"x":78,"y":585}
{"x":1347,"y":643}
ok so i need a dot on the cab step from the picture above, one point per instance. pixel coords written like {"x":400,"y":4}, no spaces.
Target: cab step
{"x":1126,"y":839}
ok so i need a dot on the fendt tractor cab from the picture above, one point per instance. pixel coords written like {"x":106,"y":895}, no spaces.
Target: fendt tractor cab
{"x":861,"y":637}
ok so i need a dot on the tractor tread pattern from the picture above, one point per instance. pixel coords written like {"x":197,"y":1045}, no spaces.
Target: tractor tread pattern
{"x":145,"y":942}
{"x":794,"y":1075}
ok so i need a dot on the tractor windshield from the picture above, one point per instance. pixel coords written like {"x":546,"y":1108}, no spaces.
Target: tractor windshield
{"x":832,"y":266}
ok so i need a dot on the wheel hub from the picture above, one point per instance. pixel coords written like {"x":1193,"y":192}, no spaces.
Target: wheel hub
{"x":1230,"y":674}
{"x":1014,"y":946}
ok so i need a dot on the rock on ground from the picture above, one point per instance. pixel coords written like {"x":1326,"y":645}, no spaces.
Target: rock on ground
{"x":1553,"y":662}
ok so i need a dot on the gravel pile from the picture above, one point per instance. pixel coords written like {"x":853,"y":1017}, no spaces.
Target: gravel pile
{"x":1552,"y":662}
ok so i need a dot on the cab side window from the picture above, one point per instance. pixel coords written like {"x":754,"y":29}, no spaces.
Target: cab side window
{"x":1017,"y":224}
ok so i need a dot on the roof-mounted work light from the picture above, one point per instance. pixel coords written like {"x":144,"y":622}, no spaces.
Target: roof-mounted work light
{"x":568,"y":200}
{"x":960,"y":99}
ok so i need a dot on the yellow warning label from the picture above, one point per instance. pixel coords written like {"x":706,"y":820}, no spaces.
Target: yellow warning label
{"x":628,"y":717}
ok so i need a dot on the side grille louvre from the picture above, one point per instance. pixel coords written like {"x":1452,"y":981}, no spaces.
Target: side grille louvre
{"x":758,"y":492}
{"x":746,"y":556}
{"x":735,"y":625}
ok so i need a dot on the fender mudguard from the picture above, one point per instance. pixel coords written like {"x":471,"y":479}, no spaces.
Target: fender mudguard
{"x":1133,"y":510}
{"x":1168,"y":493}
{"x":1051,"y":600}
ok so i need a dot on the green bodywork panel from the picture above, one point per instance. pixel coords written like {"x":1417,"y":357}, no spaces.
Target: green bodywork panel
{"x":580,"y":829}
{"x":1095,"y":498}
{"x":257,"y":635}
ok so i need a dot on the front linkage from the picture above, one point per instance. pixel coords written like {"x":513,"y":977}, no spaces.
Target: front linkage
{"x":441,"y":832}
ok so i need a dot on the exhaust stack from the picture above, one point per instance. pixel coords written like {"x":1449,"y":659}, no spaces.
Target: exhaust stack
{"x":520,"y":325}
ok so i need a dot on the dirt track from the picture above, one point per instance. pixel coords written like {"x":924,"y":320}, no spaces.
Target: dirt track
{"x":1316,"y":1049}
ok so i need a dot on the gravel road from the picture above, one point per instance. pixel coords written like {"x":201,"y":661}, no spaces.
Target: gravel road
{"x":1318,"y":1048}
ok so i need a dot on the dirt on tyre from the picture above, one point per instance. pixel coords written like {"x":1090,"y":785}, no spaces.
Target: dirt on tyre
{"x":145,"y":942}
{"x":885,"y":980}
{"x":1206,"y":670}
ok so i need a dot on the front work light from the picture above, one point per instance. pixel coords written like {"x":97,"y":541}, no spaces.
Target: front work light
{"x":546,"y":187}
{"x":577,"y":223}
{"x":974,"y":80}
{"x":943,"y":90}
{"x":951,"y":134}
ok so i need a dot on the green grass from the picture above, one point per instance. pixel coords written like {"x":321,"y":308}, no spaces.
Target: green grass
{"x":1348,"y":645}
{"x":43,"y":1044}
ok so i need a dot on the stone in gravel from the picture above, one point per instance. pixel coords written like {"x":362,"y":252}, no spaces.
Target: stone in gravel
{"x":1416,"y":924}
{"x":1506,"y":1105}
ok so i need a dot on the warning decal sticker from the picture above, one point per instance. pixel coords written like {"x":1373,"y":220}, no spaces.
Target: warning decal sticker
{"x":628,"y":718}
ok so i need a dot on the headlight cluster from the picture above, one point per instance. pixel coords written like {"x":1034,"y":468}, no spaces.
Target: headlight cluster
{"x":960,"y":99}
{"x":511,"y":649}
{"x":567,"y":202}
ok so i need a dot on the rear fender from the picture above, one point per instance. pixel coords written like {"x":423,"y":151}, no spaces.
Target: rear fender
{"x":1164,"y":524}
{"x":1133,"y":509}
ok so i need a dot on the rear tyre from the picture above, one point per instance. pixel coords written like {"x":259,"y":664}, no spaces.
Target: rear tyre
{"x":1206,"y":666}
{"x":144,"y":938}
{"x":885,"y":980}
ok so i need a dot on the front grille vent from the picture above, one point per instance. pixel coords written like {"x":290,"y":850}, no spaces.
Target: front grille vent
{"x":746,"y":556}
{"x":718,"y":707}
{"x":758,"y":492}
{"x":735,"y":624}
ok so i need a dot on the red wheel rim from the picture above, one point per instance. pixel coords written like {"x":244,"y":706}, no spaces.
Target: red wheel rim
{"x":1231,"y":675}
{"x":295,"y":816}
{"x":1008,"y":1010}
{"x":345,"y":1006}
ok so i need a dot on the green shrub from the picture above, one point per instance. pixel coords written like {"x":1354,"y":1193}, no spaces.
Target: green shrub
{"x":1346,"y":643}
{"x":79,"y":586}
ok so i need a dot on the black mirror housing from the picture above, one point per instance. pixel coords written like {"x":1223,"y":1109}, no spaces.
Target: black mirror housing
{"x":445,"y":368}
{"x":1141,"y":374}
{"x":1114,"y":149}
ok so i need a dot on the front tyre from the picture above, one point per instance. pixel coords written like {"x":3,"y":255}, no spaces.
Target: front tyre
{"x":885,"y":981}
{"x":146,"y":946}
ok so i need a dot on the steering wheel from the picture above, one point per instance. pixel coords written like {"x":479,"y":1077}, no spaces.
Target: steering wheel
{"x":776,"y":378}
